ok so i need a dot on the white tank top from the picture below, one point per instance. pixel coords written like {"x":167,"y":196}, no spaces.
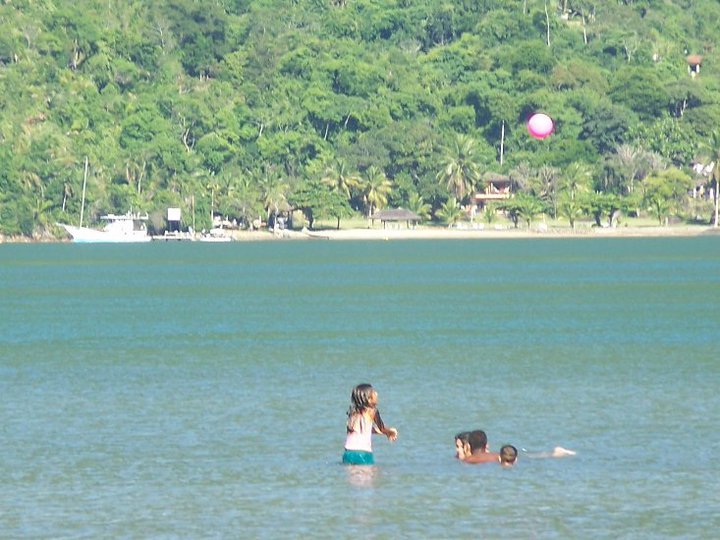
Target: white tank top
{"x":360,"y":438}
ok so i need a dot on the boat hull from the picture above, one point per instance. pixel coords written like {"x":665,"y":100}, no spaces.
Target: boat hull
{"x":84,"y":235}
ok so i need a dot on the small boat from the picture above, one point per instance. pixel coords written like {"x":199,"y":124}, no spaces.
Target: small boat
{"x":215,"y":235}
{"x":118,"y":229}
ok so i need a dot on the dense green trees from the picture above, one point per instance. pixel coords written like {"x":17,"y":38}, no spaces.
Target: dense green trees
{"x":249,"y":109}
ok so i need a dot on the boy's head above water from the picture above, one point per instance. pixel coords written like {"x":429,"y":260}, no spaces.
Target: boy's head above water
{"x":508,"y":455}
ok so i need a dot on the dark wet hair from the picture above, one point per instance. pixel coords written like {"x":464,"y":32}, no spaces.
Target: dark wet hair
{"x":477,"y":440}
{"x":359,"y":401}
{"x":462,"y":436}
{"x":508,"y":454}
{"x":360,"y":398}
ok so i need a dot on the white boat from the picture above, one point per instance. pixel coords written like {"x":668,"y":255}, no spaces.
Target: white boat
{"x":215,"y":239}
{"x":118,"y":229}
{"x":215,"y":235}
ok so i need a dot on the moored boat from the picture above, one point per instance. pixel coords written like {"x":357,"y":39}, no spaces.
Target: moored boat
{"x":118,"y":229}
{"x":215,"y":235}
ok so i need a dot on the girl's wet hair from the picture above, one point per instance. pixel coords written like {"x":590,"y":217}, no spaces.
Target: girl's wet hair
{"x":360,"y":400}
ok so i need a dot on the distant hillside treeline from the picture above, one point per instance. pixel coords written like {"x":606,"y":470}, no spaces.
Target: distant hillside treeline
{"x":248,"y":107}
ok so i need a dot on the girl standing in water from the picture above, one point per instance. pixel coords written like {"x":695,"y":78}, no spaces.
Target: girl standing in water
{"x":363,"y":420}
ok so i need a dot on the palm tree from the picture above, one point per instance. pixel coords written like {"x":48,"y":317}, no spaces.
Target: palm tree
{"x":529,"y":208}
{"x":246,"y":201}
{"x":572,"y":209}
{"x":545,"y":187}
{"x":274,"y":191}
{"x":522,"y":207}
{"x":340,"y":179}
{"x":419,"y":206}
{"x":376,"y":189}
{"x":450,"y":212}
{"x":460,"y":172}
{"x":40,"y":213}
{"x":32,"y":182}
{"x":576,"y":179}
{"x":226,"y":183}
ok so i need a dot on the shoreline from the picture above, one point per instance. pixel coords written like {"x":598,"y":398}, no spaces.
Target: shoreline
{"x":440,"y":233}
{"x":437,"y":233}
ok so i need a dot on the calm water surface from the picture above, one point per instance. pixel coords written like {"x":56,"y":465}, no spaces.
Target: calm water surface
{"x":199,"y":390}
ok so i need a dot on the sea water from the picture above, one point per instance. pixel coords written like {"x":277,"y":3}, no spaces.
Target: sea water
{"x":199,"y":390}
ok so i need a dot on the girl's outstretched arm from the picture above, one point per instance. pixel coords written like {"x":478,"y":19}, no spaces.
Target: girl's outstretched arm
{"x":389,"y":432}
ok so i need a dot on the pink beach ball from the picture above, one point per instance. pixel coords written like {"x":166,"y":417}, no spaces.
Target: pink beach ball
{"x":540,"y":126}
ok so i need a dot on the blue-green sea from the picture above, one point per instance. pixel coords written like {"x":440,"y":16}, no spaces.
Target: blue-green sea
{"x":199,"y":390}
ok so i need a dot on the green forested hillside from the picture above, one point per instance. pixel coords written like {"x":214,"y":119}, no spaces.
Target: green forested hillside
{"x":249,"y":107}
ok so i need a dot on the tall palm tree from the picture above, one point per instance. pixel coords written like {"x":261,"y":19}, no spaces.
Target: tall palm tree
{"x":460,"y":172}
{"x":576,"y":179}
{"x":545,"y":186}
{"x":376,"y":189}
{"x":340,"y":179}
{"x":274,"y":191}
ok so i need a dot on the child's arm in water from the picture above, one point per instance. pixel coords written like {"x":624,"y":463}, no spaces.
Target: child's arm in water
{"x":390,"y":432}
{"x":557,"y":452}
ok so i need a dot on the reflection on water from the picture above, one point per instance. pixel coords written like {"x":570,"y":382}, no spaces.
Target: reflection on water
{"x":362,"y":476}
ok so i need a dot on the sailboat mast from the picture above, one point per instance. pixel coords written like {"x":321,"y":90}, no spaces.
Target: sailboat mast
{"x":82,"y":205}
